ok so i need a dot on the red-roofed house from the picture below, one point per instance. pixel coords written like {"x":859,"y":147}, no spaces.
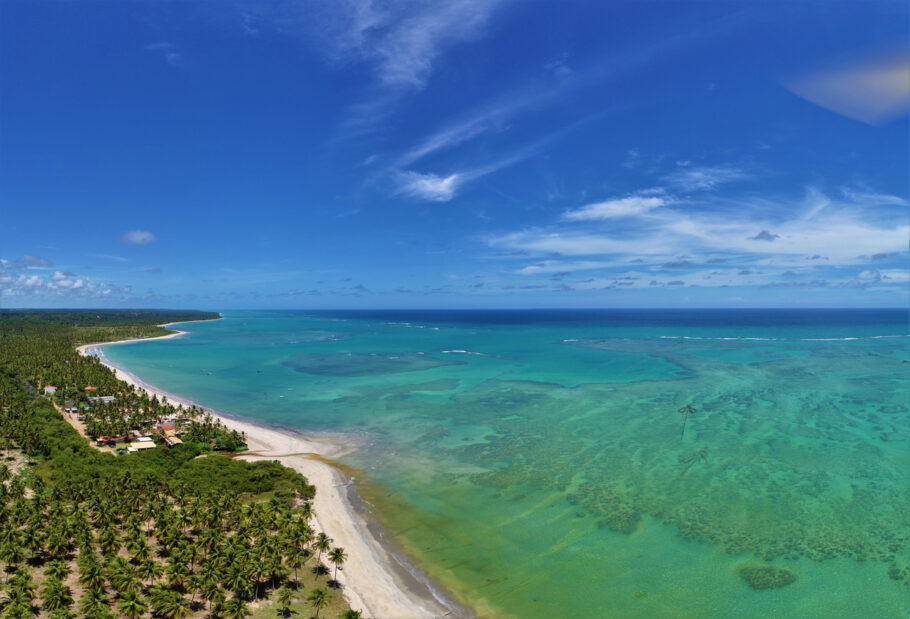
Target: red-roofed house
{"x":90,"y":388}
{"x":50,"y":389}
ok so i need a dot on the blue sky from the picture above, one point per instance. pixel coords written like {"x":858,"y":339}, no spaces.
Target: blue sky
{"x":339,"y":154}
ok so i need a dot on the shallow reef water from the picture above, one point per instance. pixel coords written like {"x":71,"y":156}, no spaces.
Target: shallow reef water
{"x":538,"y":465}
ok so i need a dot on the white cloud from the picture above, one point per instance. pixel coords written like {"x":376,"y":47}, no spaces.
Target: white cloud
{"x":402,"y":40}
{"x":896,"y":275}
{"x":59,"y":285}
{"x":109,"y":257}
{"x":137,"y":237}
{"x":869,"y":198}
{"x":816,"y":201}
{"x":617,"y":207}
{"x":428,"y":186}
{"x":580,"y":244}
{"x":556,"y":266}
{"x":843,"y":233}
{"x":706,"y":177}
{"x":454,"y":134}
{"x":407,"y":51}
{"x":555,"y":87}
{"x":438,"y":188}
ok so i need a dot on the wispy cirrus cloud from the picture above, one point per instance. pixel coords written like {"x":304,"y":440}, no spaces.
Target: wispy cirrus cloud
{"x":700,"y":178}
{"x":553,"y":86}
{"x":400,"y":40}
{"x":109,"y":257}
{"x":871,"y":198}
{"x":442,"y":188}
{"x":407,"y":50}
{"x":399,"y":43}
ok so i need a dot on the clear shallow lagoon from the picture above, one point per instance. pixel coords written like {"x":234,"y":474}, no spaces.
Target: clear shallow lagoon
{"x":534,"y":461}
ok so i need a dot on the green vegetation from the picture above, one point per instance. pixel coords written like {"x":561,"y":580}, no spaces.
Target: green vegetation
{"x":761,"y":577}
{"x":161,"y":532}
{"x":39,"y":348}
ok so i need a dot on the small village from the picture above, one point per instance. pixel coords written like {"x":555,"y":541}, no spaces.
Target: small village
{"x":144,"y":433}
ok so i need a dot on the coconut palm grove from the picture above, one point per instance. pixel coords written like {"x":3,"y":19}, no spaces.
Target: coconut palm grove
{"x":182,"y":531}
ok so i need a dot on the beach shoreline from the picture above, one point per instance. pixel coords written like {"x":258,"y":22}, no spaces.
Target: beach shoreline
{"x":375,"y":579}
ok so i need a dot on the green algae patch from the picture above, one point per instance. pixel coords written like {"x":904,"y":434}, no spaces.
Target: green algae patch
{"x":761,"y":577}
{"x":611,"y":507}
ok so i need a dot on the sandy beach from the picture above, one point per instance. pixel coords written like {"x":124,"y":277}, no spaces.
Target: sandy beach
{"x":374,"y":579}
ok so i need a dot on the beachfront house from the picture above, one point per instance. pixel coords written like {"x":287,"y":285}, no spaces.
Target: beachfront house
{"x":89,"y":388}
{"x":69,"y":406}
{"x":50,"y":390}
{"x":168,"y":434}
{"x":107,"y":399}
{"x":140,"y":444}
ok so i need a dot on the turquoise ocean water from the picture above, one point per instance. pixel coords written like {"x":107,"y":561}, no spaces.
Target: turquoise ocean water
{"x":535,"y":462}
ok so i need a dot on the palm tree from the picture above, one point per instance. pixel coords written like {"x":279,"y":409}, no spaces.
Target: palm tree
{"x":109,"y":540}
{"x":11,"y":553}
{"x":131,"y":605}
{"x":210,"y":592}
{"x":140,"y":550}
{"x":322,"y":543}
{"x":295,"y":559}
{"x":32,"y":539}
{"x":258,"y":572}
{"x":149,"y":570}
{"x":57,"y":569}
{"x":235,"y":608}
{"x":91,"y":576}
{"x":319,"y":598}
{"x":285,"y":599}
{"x":55,"y":596}
{"x":168,"y":603}
{"x":177,"y":574}
{"x":337,"y":556}
{"x":276,"y":568}
{"x":305,"y":510}
{"x":93,"y":603}
{"x":238,"y":582}
{"x":18,"y":610}
{"x":352,"y":614}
